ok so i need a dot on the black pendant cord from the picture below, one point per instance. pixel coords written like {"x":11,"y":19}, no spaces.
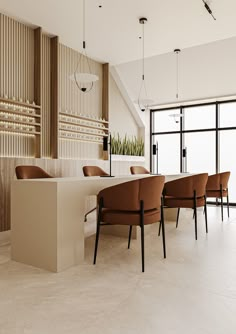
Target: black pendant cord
{"x":85,"y":63}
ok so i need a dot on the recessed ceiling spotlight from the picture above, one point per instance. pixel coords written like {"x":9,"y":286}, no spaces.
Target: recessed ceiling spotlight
{"x":100,"y":6}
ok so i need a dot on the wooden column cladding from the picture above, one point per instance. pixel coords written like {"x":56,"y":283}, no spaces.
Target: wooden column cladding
{"x":105,"y":98}
{"x":54,"y":96}
{"x":37,"y":81}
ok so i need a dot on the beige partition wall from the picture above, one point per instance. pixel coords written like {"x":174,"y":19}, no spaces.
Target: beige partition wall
{"x":39,"y":102}
{"x":35,"y":91}
{"x":16,"y":84}
{"x":86,"y":106}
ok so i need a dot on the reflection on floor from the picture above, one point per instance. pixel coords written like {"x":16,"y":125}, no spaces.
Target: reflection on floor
{"x":192,"y":291}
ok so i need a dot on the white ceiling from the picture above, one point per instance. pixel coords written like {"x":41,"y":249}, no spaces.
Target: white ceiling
{"x":112,"y":32}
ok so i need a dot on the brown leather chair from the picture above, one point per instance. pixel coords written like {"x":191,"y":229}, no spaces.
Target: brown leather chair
{"x":217,"y":187}
{"x":138,"y":170}
{"x":92,"y":171}
{"x":133,"y":203}
{"x":31,"y":172}
{"x":187,"y":192}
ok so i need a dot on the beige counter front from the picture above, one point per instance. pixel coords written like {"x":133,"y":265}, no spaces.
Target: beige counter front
{"x":47,"y":227}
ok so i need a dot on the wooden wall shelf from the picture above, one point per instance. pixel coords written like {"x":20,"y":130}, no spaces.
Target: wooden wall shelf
{"x":19,"y":103}
{"x":19,"y":117}
{"x":18,"y":131}
{"x":83,"y":140}
{"x":84,"y":117}
{"x":17,"y":112}
{"x":79,"y":124}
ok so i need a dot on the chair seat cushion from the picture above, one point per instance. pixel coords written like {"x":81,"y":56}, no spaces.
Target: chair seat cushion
{"x":215,"y":193}
{"x":174,"y":202}
{"x":114,"y":217}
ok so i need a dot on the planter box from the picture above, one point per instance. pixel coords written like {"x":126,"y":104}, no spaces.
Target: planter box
{"x":116,"y":157}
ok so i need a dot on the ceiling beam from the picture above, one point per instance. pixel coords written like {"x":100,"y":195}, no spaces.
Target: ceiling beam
{"x":138,"y":116}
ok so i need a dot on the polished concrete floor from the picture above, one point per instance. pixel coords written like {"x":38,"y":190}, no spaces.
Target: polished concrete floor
{"x":193,"y":291}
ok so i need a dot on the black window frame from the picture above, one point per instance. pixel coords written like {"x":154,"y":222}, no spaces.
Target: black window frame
{"x":181,"y":132}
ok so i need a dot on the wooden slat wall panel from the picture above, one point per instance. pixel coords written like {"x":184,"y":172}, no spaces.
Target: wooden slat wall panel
{"x":38,"y":80}
{"x":16,"y":59}
{"x":54,"y":95}
{"x":46,"y":97}
{"x":56,"y":167}
{"x":71,"y":99}
{"x":16,"y":79}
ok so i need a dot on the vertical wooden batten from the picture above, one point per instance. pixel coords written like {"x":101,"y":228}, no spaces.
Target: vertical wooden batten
{"x":105,"y":98}
{"x":105,"y":92}
{"x":54,"y":96}
{"x":37,"y":81}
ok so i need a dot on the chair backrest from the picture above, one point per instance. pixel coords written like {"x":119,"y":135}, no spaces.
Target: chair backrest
{"x":138,"y":170}
{"x":215,"y":181}
{"x":31,"y":172}
{"x":127,"y":196}
{"x":185,"y":186}
{"x":93,"y":171}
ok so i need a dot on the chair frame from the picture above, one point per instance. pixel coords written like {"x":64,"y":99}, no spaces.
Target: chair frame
{"x":102,"y":173}
{"x":141,"y":225}
{"x":221,"y":190}
{"x":143,"y":170}
{"x":194,"y":199}
{"x":20,"y":168}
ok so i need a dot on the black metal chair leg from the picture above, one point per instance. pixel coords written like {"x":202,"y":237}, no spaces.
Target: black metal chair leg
{"x":221,"y":198}
{"x":159,"y":232}
{"x":130,"y":234}
{"x":142,"y":232}
{"x":98,"y":230}
{"x":96,"y":242}
{"x":85,"y":216}
{"x":228,"y":202}
{"x":177,"y":218}
{"x":195,"y":213}
{"x":205,"y":210}
{"x":162,"y":222}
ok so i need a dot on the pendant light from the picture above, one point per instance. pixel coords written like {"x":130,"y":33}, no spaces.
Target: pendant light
{"x":176,"y":116}
{"x":143,"y":101}
{"x":84,"y":80}
{"x":177,"y":51}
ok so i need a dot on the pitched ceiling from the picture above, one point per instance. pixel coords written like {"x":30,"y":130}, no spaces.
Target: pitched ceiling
{"x":112,"y":32}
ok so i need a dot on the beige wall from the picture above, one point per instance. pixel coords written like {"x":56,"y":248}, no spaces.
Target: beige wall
{"x":17,"y":79}
{"x":120,"y":117}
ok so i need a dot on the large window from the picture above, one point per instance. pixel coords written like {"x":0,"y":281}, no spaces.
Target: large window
{"x":201,"y":155}
{"x":168,"y":154}
{"x":200,"y":117}
{"x":202,"y":140}
{"x":166,"y":121}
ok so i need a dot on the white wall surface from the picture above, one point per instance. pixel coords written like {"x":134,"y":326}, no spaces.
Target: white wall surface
{"x":121,"y":119}
{"x":205,"y":71}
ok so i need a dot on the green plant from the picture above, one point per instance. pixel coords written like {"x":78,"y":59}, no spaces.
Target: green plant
{"x":127,"y":146}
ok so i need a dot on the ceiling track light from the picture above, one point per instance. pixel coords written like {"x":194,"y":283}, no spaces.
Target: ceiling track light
{"x":208,"y":9}
{"x":143,"y":101}
{"x":84,"y":80}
